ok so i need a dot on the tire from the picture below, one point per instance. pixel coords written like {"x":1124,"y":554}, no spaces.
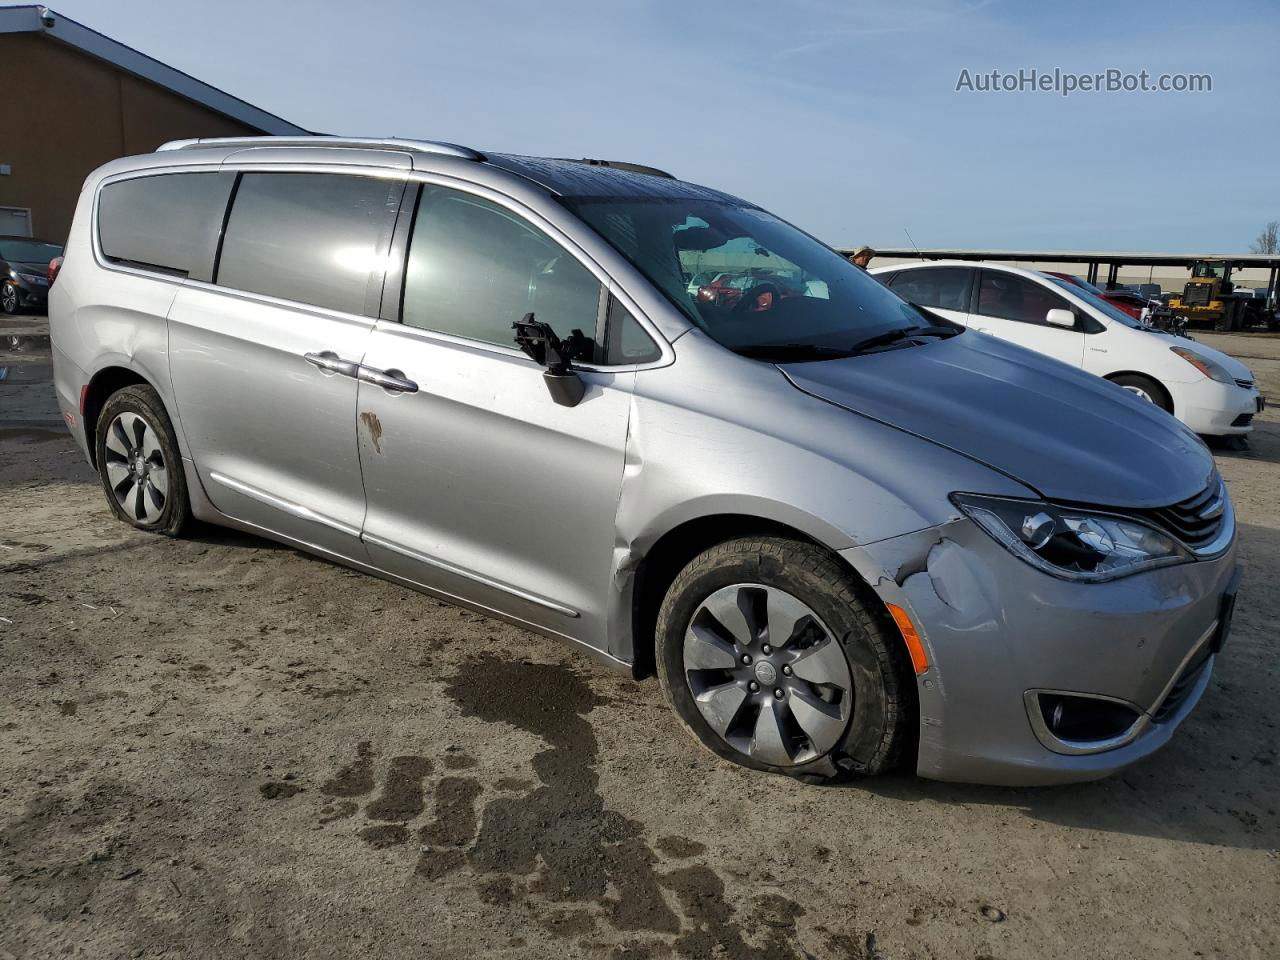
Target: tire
{"x":1146,"y":388}
{"x":9,"y":298}
{"x":847,"y":690}
{"x":135,"y":441}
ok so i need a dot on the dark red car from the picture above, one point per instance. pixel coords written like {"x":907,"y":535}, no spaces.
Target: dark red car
{"x":1126,"y":300}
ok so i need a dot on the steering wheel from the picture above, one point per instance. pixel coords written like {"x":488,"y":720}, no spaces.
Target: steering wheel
{"x":758,"y":299}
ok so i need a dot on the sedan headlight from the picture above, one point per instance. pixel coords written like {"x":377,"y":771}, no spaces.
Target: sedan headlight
{"x":1209,"y":367}
{"x":1070,"y":543}
{"x":31,"y":279}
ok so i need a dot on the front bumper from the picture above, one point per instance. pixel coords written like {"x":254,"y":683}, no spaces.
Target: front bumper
{"x":1215,"y":409}
{"x":996,"y":628}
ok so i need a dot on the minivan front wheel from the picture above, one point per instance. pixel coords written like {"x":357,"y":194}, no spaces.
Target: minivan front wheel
{"x":772,"y":655}
{"x":139,"y":463}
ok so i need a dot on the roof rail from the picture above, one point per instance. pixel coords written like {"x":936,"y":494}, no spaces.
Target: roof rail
{"x":622,"y":165}
{"x":389,"y":143}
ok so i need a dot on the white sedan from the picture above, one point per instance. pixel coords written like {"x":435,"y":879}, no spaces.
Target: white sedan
{"x":1210,"y":392}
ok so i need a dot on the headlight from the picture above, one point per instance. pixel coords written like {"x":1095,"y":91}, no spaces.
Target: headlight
{"x":1210,"y":368}
{"x":33,"y":279}
{"x":1069,"y":543}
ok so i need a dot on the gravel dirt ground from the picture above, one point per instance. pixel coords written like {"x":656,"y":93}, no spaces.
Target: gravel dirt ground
{"x":219,"y":747}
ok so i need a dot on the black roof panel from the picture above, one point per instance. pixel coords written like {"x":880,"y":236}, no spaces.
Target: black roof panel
{"x":573,"y":178}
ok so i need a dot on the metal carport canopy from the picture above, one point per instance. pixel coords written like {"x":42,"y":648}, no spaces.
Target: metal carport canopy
{"x":1093,"y":258}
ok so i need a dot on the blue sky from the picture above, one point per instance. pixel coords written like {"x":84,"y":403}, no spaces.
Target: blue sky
{"x":842,"y":117}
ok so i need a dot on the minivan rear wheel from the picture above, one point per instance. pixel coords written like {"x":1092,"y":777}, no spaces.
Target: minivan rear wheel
{"x":775,"y":656}
{"x":139,"y":462}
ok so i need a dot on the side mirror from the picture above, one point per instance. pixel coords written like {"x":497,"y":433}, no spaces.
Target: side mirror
{"x":541,"y":345}
{"x":1061,"y":318}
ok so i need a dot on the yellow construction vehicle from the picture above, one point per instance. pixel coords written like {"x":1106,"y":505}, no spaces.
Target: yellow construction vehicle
{"x":1210,"y":299}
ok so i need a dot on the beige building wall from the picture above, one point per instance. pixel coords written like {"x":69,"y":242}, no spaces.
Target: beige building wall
{"x":67,"y":113}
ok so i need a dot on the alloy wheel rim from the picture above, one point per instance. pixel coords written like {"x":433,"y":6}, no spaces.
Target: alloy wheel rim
{"x":136,"y":469}
{"x":10,"y":297}
{"x":1140,"y":392}
{"x":767,"y":675}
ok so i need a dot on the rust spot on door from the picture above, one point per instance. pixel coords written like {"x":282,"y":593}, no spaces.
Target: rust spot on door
{"x":374,"y":426}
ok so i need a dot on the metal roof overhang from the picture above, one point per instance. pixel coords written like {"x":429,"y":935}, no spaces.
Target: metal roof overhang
{"x":50,"y":23}
{"x":1108,"y":257}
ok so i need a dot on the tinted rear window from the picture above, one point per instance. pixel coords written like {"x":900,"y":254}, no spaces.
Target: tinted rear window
{"x":170,"y":221}
{"x":946,"y":288}
{"x":316,"y":238}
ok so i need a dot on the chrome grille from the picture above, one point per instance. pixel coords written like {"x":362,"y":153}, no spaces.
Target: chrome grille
{"x":1196,"y":294}
{"x":1197,"y":521}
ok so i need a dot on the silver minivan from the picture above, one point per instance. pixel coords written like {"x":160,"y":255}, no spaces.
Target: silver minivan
{"x":655,"y":421}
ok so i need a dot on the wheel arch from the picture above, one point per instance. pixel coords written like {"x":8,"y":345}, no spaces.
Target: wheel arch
{"x":1155,"y":381}
{"x":105,"y":382}
{"x":655,"y":571}
{"x":672,"y":553}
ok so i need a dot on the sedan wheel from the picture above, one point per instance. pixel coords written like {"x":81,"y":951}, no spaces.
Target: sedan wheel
{"x":767,"y":675}
{"x":9,"y":298}
{"x":1146,"y":388}
{"x":136,"y":469}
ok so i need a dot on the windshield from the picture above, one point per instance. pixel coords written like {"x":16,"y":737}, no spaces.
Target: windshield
{"x":1203,"y":269}
{"x":754,"y":283}
{"x":28,"y":251}
{"x":1109,"y":310}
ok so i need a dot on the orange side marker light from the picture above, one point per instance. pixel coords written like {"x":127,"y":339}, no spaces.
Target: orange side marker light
{"x":919,"y":659}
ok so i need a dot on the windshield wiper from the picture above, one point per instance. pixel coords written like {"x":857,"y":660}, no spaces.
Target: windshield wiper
{"x":902,"y":333}
{"x":799,"y":352}
{"x":784,"y":352}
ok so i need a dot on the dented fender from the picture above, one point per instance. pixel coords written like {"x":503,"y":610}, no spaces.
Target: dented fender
{"x":946,"y":587}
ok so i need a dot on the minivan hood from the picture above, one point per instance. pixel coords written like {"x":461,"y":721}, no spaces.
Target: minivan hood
{"x":1065,"y":433}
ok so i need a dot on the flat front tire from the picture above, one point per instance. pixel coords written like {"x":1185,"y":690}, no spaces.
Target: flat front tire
{"x":774,"y":655}
{"x":139,"y":463}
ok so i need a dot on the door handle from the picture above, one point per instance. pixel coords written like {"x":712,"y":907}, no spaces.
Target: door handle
{"x":388,"y":379}
{"x":328,"y":360}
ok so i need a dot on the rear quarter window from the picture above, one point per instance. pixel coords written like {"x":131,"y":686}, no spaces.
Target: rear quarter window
{"x":168,"y":222}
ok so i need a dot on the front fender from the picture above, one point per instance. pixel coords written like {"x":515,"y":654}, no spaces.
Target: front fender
{"x":837,"y":478}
